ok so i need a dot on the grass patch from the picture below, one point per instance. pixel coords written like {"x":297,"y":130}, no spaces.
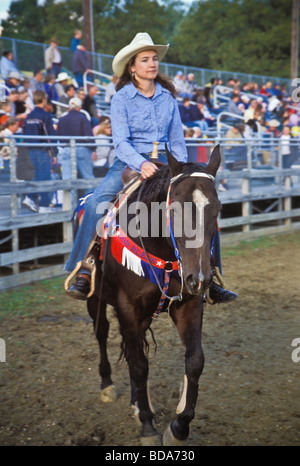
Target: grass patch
{"x":259,"y":244}
{"x":23,"y":301}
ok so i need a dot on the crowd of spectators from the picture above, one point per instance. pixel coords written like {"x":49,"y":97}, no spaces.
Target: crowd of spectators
{"x":253,"y":113}
{"x":254,"y":109}
{"x":54,"y":102}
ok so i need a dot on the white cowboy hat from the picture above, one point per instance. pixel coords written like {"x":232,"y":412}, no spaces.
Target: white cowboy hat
{"x":274,"y":123}
{"x":142,"y":41}
{"x":62,"y":76}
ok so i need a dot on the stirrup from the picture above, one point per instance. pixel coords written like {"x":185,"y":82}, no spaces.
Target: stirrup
{"x":88,"y":264}
{"x":221,"y":282}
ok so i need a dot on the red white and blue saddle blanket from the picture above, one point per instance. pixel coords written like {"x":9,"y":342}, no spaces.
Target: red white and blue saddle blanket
{"x":133,"y":257}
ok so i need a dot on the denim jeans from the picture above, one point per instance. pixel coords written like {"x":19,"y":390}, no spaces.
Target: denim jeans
{"x":42,"y":171}
{"x":103,"y":195}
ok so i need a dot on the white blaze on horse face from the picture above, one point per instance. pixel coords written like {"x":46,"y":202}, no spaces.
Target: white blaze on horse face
{"x":200,"y":200}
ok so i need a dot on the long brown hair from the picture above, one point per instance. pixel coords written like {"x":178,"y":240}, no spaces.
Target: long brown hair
{"x":127,"y":78}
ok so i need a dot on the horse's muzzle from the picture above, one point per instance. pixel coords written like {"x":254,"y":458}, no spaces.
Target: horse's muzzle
{"x":196,"y":286}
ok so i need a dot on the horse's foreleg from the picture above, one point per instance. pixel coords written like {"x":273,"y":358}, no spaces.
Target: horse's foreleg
{"x":138,"y":371}
{"x":189,"y":324}
{"x":97,"y":311}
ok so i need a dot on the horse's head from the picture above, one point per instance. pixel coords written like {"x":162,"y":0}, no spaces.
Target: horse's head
{"x":194,"y":207}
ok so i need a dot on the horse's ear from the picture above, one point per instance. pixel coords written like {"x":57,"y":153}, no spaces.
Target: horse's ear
{"x":214,"y":161}
{"x":174,"y":165}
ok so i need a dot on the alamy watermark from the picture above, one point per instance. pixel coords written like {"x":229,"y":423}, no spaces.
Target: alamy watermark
{"x":296,"y":90}
{"x":296,"y":351}
{"x":153,"y":221}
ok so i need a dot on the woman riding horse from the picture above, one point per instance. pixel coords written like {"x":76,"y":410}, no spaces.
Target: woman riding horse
{"x":143,"y":110}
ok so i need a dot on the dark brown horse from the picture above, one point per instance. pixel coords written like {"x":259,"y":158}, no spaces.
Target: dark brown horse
{"x":176,"y":280}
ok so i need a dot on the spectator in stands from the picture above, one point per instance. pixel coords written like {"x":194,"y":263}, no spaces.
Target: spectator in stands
{"x":76,"y":40}
{"x":197,"y":115}
{"x":11,"y":127}
{"x":81,"y":93}
{"x":53,"y":59}
{"x":231,"y":82}
{"x":252,"y":129}
{"x":7,"y":65}
{"x":188,"y":133}
{"x":273,"y":128}
{"x":26,"y":87}
{"x":111,"y":88}
{"x":191,"y":85}
{"x":105,"y":152}
{"x":79,"y":64}
{"x":13,"y":96}
{"x":39,"y":123}
{"x":13,"y":80}
{"x":36,"y":82}
{"x":60,"y":83}
{"x":49,"y":87}
{"x":234,"y":135}
{"x":208,"y":92}
{"x":23,"y":105}
{"x":5,"y":111}
{"x":197,"y":133}
{"x":185,"y":112}
{"x":233,"y":105}
{"x":69,"y":93}
{"x":265,"y":91}
{"x":179,"y":84}
{"x":286,"y":152}
{"x":89,"y":104}
{"x":249,"y":113}
{"x":75,"y":123}
{"x":275,"y":106}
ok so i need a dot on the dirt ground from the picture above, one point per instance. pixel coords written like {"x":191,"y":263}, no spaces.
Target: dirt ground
{"x":248,"y":393}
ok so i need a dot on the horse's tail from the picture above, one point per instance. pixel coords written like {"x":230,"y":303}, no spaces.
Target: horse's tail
{"x":146,"y":346}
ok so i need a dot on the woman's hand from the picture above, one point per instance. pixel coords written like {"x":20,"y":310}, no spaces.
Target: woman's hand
{"x":148,"y":169}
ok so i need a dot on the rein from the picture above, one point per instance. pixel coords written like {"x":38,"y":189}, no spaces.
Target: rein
{"x":176,"y":250}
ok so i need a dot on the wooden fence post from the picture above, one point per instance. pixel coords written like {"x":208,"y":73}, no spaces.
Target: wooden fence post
{"x":246,"y":189}
{"x":287,"y":201}
{"x":14,"y":200}
{"x":68,"y":197}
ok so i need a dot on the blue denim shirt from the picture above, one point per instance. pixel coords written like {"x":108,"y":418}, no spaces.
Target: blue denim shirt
{"x":138,"y":121}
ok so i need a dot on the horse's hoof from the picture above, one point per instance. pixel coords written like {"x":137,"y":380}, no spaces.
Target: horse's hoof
{"x":108,"y":394}
{"x":169,"y":440}
{"x":151,"y":441}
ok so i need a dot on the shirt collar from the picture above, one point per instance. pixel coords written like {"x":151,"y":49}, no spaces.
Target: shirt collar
{"x":132,"y":91}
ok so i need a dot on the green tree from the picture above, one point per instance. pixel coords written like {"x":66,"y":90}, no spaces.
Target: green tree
{"x":117,"y":27}
{"x":251,"y":36}
{"x":25,"y":21}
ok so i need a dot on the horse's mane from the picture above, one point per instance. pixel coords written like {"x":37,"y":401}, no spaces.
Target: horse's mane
{"x":154,"y":189}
